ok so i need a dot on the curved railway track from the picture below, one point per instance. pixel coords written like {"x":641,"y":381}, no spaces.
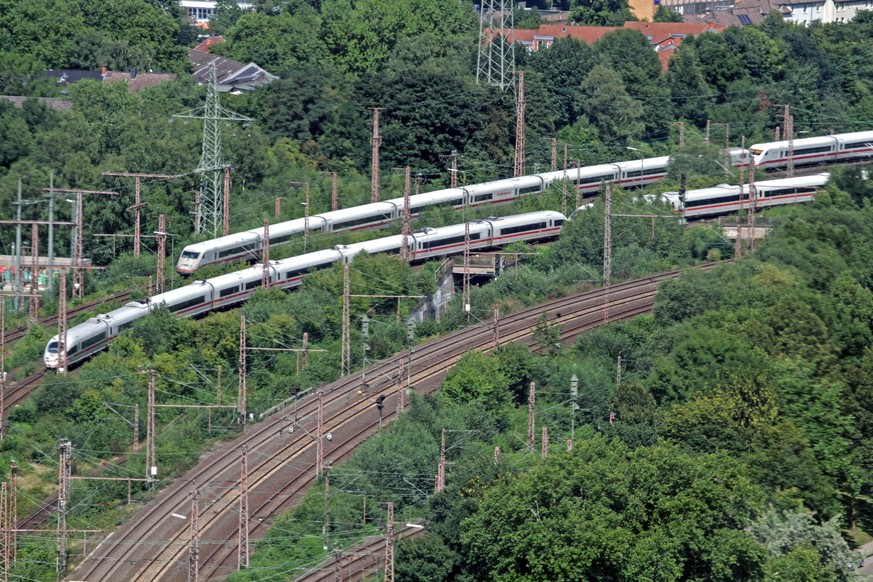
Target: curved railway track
{"x":17,"y":333}
{"x":359,"y":562}
{"x":153,"y":545}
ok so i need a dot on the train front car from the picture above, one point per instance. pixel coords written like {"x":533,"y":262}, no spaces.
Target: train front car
{"x":243,"y":246}
{"x":804,"y":152}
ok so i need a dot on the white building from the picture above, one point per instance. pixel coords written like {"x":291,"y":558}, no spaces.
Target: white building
{"x":200,"y":11}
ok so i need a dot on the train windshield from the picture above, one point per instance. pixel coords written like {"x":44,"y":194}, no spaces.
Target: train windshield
{"x":756,"y":152}
{"x":52,"y":348}
{"x":190,"y":255}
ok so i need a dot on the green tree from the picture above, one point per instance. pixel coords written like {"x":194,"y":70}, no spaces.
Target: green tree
{"x":604,"y":512}
{"x":664,"y":14}
{"x":477,"y":378}
{"x":600,"y":12}
{"x":605,"y":104}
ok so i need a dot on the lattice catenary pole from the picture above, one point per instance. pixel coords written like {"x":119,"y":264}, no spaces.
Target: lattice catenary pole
{"x":4,"y":523}
{"x":265,"y":256}
{"x":544,"y":446}
{"x":160,"y":278}
{"x":441,"y":466}
{"x":34,"y":274}
{"x":376,"y":140}
{"x":319,"y":436}
{"x":241,"y":404}
{"x":62,"y":323}
{"x":404,"y":248}
{"x":531,"y":415}
{"x":519,"y":128}
{"x":738,"y":244}
{"x":151,"y":463}
{"x":345,"y":363}
{"x":607,"y":238}
{"x":194,"y":539}
{"x":389,"y":544}
{"x":465,"y":290}
{"x":243,"y":541}
{"x":64,"y":450}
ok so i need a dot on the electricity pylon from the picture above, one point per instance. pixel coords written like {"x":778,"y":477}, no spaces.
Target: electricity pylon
{"x":211,"y":164}
{"x":496,"y":61}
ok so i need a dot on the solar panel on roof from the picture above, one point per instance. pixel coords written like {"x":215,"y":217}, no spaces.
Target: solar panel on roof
{"x":744,"y":19}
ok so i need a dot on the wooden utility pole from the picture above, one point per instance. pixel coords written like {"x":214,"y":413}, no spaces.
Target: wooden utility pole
{"x":138,"y":204}
{"x":519,"y":128}
{"x":376,"y":140}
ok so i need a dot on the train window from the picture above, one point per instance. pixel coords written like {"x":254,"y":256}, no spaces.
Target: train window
{"x":559,"y":222}
{"x":594,"y":179}
{"x":449,"y":241}
{"x":522,"y":228}
{"x":712,"y":200}
{"x":359,"y":221}
{"x":294,"y":273}
{"x":858,"y":145}
{"x":230,"y":251}
{"x":190,"y":255}
{"x":529,"y":189}
{"x":228,"y":291}
{"x":52,"y":348}
{"x":653,"y":171}
{"x":252,"y":284}
{"x":72,"y":350}
{"x":756,"y":152}
{"x":483,"y":197}
{"x":280,"y":239}
{"x":815,"y":150}
{"x":189,"y":303}
{"x":93,"y":340}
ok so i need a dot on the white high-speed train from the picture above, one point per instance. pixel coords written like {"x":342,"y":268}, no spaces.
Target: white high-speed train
{"x":201,"y":297}
{"x":246,"y":245}
{"x":725,"y":198}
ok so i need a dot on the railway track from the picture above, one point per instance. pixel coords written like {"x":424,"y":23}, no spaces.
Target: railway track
{"x":153,"y":545}
{"x":359,"y":562}
{"x":17,"y":333}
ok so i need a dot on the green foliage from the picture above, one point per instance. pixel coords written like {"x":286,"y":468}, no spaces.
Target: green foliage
{"x":600,"y":12}
{"x":477,"y":378}
{"x":664,"y":14}
{"x":642,"y":513}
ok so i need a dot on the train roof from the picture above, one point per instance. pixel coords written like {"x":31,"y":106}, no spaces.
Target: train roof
{"x":811,"y":180}
{"x":645,"y":163}
{"x":379,"y":245}
{"x":358,"y":211}
{"x":798,"y":143}
{"x":855,"y":135}
{"x":230,"y":240}
{"x":580,"y":172}
{"x":428,"y":198}
{"x":506,"y":183}
{"x":236,"y":277}
{"x":313,"y":258}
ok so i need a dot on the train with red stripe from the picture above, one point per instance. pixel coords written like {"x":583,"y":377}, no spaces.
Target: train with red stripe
{"x":725,"y":198}
{"x":231,"y":289}
{"x":247,"y":245}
